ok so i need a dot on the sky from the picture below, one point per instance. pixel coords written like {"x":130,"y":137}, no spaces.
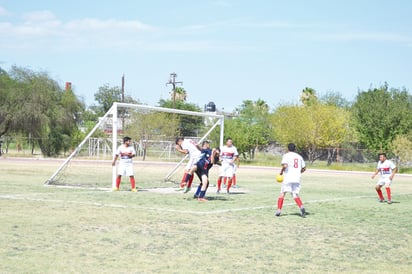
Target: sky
{"x":225,"y":51}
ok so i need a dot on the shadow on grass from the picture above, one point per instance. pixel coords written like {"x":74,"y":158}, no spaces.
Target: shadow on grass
{"x":294,"y":214}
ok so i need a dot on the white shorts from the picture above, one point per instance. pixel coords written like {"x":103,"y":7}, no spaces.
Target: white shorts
{"x":226,"y":170}
{"x":191,"y":163}
{"x":290,"y":187}
{"x":125,"y":169}
{"x":384,"y":181}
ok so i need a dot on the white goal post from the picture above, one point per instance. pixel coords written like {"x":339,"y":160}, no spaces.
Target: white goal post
{"x":218,"y":120}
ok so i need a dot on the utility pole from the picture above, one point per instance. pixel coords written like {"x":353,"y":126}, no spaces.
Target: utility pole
{"x":172,"y":81}
{"x":123,"y":102}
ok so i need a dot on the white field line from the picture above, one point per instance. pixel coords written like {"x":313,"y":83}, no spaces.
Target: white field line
{"x":212,"y":212}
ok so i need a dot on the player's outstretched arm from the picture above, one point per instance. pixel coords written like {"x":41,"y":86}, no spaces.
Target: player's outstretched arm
{"x":394,"y":171}
{"x":284,"y":167}
{"x":374,"y":174}
{"x":114,"y":160}
{"x":181,"y":150}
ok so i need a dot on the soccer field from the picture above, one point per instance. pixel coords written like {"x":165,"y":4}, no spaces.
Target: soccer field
{"x":161,"y":230}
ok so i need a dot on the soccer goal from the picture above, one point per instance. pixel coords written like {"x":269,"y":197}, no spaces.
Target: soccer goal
{"x":153,"y":131}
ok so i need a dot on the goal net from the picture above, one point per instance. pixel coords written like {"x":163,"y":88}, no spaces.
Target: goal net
{"x":153,"y":131}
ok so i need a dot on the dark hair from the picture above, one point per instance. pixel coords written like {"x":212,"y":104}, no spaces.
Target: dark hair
{"x":179,"y":139}
{"x":126,"y":138}
{"x":291,"y":147}
{"x":382,"y":153}
{"x":228,"y":138}
{"x":205,"y":142}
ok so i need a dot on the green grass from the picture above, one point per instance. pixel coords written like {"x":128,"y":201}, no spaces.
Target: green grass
{"x":58,"y":230}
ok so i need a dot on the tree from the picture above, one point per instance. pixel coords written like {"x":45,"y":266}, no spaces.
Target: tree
{"x":106,"y":96}
{"x":8,"y":106}
{"x":380,"y":115}
{"x":180,"y":94}
{"x":37,"y":107}
{"x":152,"y":126}
{"x":334,"y":99}
{"x":187,"y":125}
{"x":308,"y":96}
{"x":312,"y":127}
{"x":251,"y":128}
{"x":401,"y":146}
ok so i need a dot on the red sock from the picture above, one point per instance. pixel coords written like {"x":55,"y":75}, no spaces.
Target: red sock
{"x":118,"y":180}
{"x":280,"y":202}
{"x":133,"y":182}
{"x":229,"y":184}
{"x":234,"y":179}
{"x":183,"y":182}
{"x":219,"y":183}
{"x":190,"y":181}
{"x":388,"y":191}
{"x":224,"y":180}
{"x":380,"y":194}
{"x":298,"y":202}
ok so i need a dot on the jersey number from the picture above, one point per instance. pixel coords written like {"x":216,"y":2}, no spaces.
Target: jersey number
{"x":295,"y":163}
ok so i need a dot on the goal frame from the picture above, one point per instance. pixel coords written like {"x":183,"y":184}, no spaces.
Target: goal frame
{"x":113,"y":111}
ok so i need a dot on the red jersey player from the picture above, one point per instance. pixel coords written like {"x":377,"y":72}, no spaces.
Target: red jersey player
{"x":188,"y":146}
{"x":228,"y":155}
{"x":387,"y":169}
{"x":126,"y":152}
{"x":293,"y":166}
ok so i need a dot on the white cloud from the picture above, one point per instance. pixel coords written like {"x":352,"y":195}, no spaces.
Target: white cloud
{"x":42,"y":28}
{"x":111,"y":25}
{"x":39,"y":16}
{"x":4,"y":12}
{"x":366,"y":36}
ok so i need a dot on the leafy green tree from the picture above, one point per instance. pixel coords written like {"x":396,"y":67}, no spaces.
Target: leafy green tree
{"x":39,"y":108}
{"x":380,"y":115}
{"x":187,"y":125}
{"x":334,"y":99}
{"x":312,"y":128}
{"x":8,"y":107}
{"x":107,"y":95}
{"x":179,"y":95}
{"x":401,"y":146}
{"x":308,"y":96}
{"x":251,"y":128}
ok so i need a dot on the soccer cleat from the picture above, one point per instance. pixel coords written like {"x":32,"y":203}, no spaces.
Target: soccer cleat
{"x":133,"y":190}
{"x":227,"y":191}
{"x":187,"y":189}
{"x":116,"y":189}
{"x":218,"y":191}
{"x":195,"y":196}
{"x":302,"y":212}
{"x":389,"y":202}
{"x":278,"y":212}
{"x":202,"y":199}
{"x":381,"y":201}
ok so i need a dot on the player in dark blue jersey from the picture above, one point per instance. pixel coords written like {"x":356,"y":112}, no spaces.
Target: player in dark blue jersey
{"x":207,"y":158}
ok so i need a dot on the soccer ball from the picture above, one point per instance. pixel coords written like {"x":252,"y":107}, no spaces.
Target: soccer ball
{"x":279,"y":178}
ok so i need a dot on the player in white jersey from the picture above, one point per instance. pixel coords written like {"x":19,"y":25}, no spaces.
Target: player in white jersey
{"x":228,"y":156}
{"x":293,"y":166}
{"x":188,"y":146}
{"x":125,"y":168}
{"x":387,"y":169}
